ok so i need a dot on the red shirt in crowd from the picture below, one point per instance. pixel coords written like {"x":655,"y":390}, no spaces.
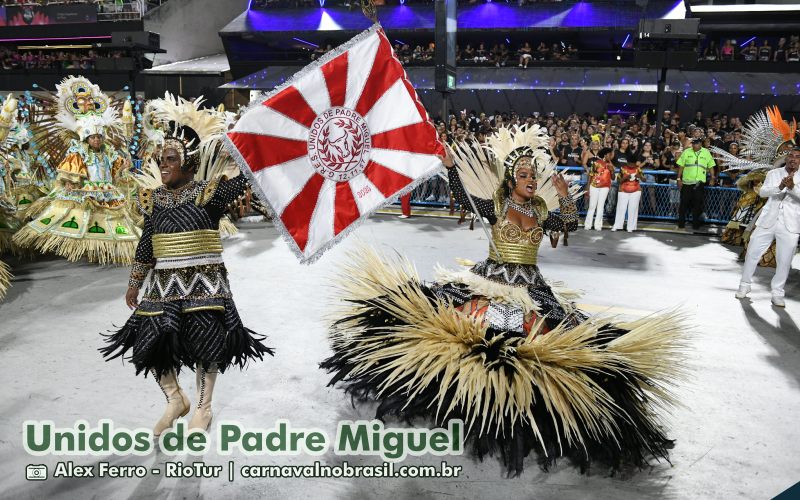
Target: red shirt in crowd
{"x":601,"y":174}
{"x":626,"y":185}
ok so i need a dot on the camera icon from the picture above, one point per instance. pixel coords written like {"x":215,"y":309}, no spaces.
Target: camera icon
{"x":36,"y":472}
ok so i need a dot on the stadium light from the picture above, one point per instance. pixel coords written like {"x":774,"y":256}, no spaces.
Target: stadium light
{"x":719,"y":9}
{"x":305,"y":42}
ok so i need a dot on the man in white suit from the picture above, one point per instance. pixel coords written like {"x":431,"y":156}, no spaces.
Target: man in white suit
{"x":779,"y":221}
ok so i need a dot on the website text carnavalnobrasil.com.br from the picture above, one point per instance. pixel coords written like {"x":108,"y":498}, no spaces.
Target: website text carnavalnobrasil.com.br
{"x":345,"y":470}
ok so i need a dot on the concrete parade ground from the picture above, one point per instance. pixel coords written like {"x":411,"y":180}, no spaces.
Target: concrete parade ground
{"x":736,"y":434}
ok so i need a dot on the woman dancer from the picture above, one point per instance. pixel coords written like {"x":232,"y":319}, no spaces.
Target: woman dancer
{"x":497,"y":345}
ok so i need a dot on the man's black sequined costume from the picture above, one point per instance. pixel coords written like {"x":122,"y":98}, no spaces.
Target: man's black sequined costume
{"x":187,"y":315}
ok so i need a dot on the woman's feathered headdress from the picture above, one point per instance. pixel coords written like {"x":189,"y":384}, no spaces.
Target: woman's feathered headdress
{"x":484,"y":168}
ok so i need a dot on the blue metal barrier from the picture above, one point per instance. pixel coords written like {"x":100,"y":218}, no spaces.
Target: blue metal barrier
{"x":659,"y":200}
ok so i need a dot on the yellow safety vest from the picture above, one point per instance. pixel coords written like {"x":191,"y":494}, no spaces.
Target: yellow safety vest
{"x":695,"y":165}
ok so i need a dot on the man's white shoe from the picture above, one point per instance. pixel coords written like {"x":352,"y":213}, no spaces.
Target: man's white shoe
{"x":778,"y":301}
{"x":743,"y":291}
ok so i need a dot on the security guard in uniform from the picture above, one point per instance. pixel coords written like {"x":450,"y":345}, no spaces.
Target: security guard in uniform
{"x":693,"y":167}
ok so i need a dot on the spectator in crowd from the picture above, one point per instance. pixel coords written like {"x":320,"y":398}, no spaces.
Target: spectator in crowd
{"x":623,"y":154}
{"x":405,"y":206}
{"x":765,"y":51}
{"x":481,"y":54}
{"x":571,"y":154}
{"x":600,"y":173}
{"x":670,"y":155}
{"x":53,"y":59}
{"x":468,"y":54}
{"x":711,"y":52}
{"x":793,"y":54}
{"x":780,"y":50}
{"x":630,"y":192}
{"x":430,"y":50}
{"x":647,"y":158}
{"x":319,"y":51}
{"x":556,"y":54}
{"x":501,"y":56}
{"x":727,"y":52}
{"x":591,"y":153}
{"x":552,"y":147}
{"x":542,"y":51}
{"x":525,"y":55}
{"x":750,"y":53}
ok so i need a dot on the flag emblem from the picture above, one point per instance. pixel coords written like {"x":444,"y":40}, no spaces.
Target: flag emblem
{"x":339,"y":144}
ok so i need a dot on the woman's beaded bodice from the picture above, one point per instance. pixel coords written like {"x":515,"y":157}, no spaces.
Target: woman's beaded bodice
{"x":515,"y":244}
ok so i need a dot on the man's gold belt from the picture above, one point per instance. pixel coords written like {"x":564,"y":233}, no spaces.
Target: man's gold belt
{"x":186,"y":244}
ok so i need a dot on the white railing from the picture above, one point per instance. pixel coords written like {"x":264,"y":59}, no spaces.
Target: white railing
{"x":110,"y":10}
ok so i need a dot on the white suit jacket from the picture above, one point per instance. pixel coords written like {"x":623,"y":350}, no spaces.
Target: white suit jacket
{"x":786,"y":199}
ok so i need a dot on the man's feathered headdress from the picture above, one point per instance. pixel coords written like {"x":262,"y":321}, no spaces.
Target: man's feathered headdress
{"x":764,"y":139}
{"x":194,"y":131}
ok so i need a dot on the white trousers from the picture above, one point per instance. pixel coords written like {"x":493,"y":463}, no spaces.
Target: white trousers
{"x":785,"y":247}
{"x":597,"y":205}
{"x":627,"y":202}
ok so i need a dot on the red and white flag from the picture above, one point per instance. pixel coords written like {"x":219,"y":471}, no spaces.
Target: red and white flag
{"x":339,"y":140}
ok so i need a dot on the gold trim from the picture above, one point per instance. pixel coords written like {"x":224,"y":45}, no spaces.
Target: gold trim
{"x":208,"y":192}
{"x":514,"y":253}
{"x":203,"y":308}
{"x":145,"y":197}
{"x":148,"y":313}
{"x":66,"y":175}
{"x":187,"y":243}
{"x":74,"y":248}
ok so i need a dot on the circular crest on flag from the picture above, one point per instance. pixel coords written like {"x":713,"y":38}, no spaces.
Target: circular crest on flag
{"x":339,"y":144}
